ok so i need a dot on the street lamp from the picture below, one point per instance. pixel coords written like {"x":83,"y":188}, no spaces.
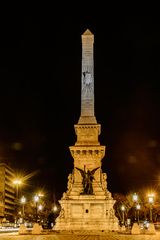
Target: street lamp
{"x":23,"y":201}
{"x":135,"y":200}
{"x":55,"y":210}
{"x":135,"y":197}
{"x":17,"y":183}
{"x":40,"y":207}
{"x":36,"y":199}
{"x":40,"y":194}
{"x":123,"y":210}
{"x":151,"y":201}
{"x":138,"y":206}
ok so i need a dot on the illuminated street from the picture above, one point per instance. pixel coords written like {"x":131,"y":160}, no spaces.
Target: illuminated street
{"x":80,"y":236}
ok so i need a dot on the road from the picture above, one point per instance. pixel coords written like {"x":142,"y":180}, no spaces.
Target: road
{"x":82,"y":236}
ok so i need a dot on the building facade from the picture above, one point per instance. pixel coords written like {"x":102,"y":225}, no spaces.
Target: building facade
{"x":7,"y":192}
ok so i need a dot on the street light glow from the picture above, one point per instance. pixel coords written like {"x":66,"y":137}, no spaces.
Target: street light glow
{"x":123,"y":208}
{"x":135,"y":197}
{"x":55,"y":208}
{"x":138,"y":206}
{"x":17,"y":182}
{"x":40,"y":207}
{"x":23,"y":200}
{"x":40,"y":194}
{"x":36,"y":198}
{"x":151,"y":198}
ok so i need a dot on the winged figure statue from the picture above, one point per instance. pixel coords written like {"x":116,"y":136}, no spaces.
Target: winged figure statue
{"x":87,"y":179}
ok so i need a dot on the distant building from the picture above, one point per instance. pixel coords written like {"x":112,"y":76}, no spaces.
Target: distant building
{"x":7,"y":192}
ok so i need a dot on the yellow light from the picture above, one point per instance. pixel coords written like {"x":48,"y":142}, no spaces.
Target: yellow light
{"x":55,"y":208}
{"x":135,"y":197}
{"x":23,"y":200}
{"x":40,"y":194}
{"x":17,"y":182}
{"x":123,"y":208}
{"x":138,"y":206}
{"x":36,"y":198}
{"x":40,"y":207}
{"x":151,"y":197}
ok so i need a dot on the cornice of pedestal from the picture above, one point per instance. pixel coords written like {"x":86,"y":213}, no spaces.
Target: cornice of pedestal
{"x":87,"y":151}
{"x":87,"y":120}
{"x":88,"y":126}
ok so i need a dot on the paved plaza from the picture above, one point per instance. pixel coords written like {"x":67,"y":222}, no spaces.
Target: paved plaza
{"x":80,"y":236}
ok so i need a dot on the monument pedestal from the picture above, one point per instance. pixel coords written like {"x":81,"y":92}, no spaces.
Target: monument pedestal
{"x":123,"y":229}
{"x":135,"y":229}
{"x":151,"y":229}
{"x":37,"y":229}
{"x":22,"y":229}
{"x":87,"y":213}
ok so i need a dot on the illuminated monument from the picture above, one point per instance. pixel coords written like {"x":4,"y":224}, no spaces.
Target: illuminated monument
{"x":87,"y":204}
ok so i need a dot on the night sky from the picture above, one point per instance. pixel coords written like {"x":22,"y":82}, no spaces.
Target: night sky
{"x":40,"y":90}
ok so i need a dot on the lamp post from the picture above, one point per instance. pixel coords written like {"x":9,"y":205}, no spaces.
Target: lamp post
{"x":23,"y":201}
{"x":40,"y":207}
{"x":138,"y":206}
{"x":123,"y":210}
{"x":54,"y":210}
{"x":135,"y":200}
{"x":17,"y":183}
{"x":151,"y":201}
{"x":36,"y":199}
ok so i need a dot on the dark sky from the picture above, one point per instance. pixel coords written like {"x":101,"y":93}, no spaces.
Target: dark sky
{"x":40,"y":79}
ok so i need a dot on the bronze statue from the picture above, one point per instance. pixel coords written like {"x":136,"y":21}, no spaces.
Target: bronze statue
{"x":87,"y":179}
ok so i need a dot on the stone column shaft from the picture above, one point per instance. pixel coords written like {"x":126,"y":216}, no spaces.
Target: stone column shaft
{"x":87,"y":78}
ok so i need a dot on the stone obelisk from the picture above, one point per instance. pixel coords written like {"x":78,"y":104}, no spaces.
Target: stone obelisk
{"x":87,"y":204}
{"x":87,"y":80}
